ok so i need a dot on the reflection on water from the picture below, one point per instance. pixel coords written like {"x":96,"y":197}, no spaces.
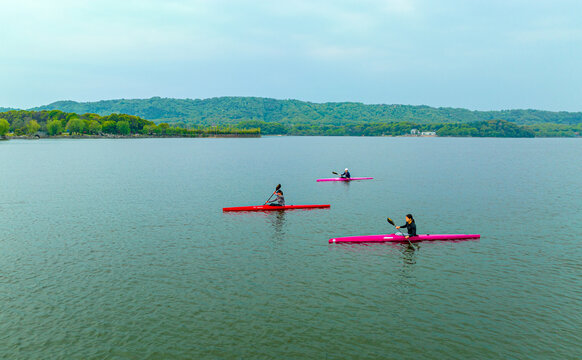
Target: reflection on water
{"x":277,"y":221}
{"x":408,"y":253}
{"x":407,"y":280}
{"x":335,"y":185}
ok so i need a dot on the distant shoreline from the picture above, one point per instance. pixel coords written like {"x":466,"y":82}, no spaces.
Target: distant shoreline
{"x":53,"y":123}
{"x":232,"y":136}
{"x":134,"y":136}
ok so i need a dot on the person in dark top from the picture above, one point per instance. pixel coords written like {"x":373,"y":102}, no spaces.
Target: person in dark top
{"x":279,"y":201}
{"x":410,"y":226}
{"x":346,"y":174}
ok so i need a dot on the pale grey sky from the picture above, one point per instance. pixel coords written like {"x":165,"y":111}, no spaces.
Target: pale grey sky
{"x":475,"y":54}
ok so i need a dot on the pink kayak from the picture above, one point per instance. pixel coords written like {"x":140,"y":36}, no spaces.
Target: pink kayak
{"x":346,"y":179}
{"x":400,"y":238}
{"x":275,"y":208}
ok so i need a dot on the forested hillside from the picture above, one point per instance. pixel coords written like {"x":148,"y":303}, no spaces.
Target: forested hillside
{"x":232,"y":110}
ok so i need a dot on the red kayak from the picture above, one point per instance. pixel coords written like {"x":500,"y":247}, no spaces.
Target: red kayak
{"x":274,"y":208}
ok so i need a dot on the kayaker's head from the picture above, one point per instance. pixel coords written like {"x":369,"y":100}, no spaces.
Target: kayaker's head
{"x":280,"y":192}
{"x":409,"y":218}
{"x":346,"y":169}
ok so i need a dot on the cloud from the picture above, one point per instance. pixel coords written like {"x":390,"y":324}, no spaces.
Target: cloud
{"x":193,"y":30}
{"x":331,"y":53}
{"x":379,"y":41}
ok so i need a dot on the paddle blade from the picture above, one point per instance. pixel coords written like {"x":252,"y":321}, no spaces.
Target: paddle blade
{"x":278,"y":187}
{"x":333,"y":172}
{"x":390,"y":221}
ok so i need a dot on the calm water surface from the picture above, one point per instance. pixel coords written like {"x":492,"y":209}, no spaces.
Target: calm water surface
{"x":118,"y":249}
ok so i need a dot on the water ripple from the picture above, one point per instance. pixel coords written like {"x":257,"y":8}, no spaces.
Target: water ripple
{"x":103,"y":259}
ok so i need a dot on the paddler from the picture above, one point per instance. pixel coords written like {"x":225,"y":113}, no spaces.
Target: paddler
{"x":279,"y":201}
{"x":346,"y":174}
{"x":410,"y":226}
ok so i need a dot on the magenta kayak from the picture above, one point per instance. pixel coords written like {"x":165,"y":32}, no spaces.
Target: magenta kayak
{"x":275,"y":208}
{"x":346,"y":179}
{"x":400,"y":238}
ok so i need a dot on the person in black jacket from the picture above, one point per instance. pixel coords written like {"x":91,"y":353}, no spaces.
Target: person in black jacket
{"x":410,"y":226}
{"x":346,"y":174}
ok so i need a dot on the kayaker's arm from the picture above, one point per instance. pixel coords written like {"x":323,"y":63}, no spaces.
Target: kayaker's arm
{"x":410,"y":228}
{"x":268,"y":202}
{"x":280,"y":200}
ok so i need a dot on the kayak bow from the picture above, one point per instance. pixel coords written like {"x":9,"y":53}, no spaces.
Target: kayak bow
{"x":346,"y":179}
{"x":274,"y":208}
{"x":401,"y":238}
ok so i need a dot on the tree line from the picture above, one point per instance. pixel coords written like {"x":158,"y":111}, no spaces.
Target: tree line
{"x":490,"y":128}
{"x":232,"y":110}
{"x":57,"y":123}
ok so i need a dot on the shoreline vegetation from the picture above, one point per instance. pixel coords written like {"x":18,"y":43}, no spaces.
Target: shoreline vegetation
{"x":489,"y":128}
{"x":26,"y":124}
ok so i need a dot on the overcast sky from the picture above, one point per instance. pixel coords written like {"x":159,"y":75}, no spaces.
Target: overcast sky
{"x":481,"y":55}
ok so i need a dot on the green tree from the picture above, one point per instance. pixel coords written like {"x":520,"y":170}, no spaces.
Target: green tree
{"x":54,"y":127}
{"x":152,"y":130}
{"x":148,"y":129}
{"x":75,"y":126}
{"x":123,"y":127}
{"x":94,"y":127}
{"x":4,"y":127}
{"x":109,"y":127}
{"x":71,"y":116}
{"x":32,"y":127}
{"x":164,"y":127}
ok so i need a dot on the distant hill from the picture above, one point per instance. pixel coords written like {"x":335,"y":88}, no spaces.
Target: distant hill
{"x":3,"y":109}
{"x":232,"y":110}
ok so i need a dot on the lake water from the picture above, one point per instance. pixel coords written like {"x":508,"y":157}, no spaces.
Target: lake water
{"x":119,"y":249}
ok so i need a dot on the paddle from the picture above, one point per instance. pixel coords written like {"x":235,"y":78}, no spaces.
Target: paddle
{"x":277,"y":188}
{"x":392,"y":223}
{"x":340,"y":175}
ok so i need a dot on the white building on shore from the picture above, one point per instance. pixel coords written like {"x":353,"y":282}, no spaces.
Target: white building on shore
{"x":416,"y":132}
